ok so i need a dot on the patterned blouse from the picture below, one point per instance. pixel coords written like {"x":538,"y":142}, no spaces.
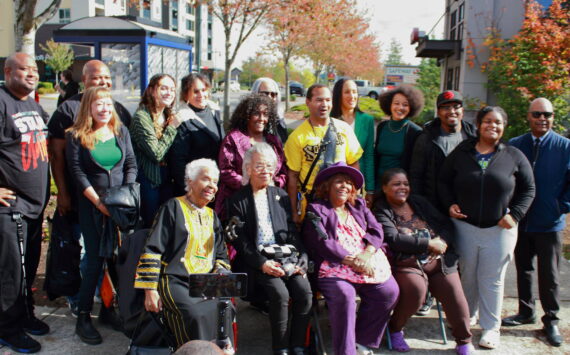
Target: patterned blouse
{"x":351,"y":237}
{"x":265,"y":234}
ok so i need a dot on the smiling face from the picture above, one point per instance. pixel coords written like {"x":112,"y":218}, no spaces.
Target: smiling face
{"x":165,"y":92}
{"x":268,"y":90}
{"x":320,"y":104}
{"x":258,"y":121}
{"x":341,"y":186}
{"x":540,"y":125}
{"x":400,"y":107}
{"x":198,"y":94}
{"x":349,"y":95}
{"x":261,"y":170}
{"x":397,"y":189}
{"x":21,"y":74}
{"x":102,"y":111}
{"x":96,"y":73}
{"x":492,"y":127}
{"x":450,"y":115}
{"x":203,"y":188}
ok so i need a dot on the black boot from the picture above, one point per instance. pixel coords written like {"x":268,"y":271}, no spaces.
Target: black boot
{"x":108,"y":316}
{"x":85,"y":329}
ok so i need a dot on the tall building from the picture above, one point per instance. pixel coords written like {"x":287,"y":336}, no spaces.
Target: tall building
{"x":461,"y":52}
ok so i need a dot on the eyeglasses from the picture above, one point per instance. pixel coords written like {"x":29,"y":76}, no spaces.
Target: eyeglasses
{"x":451,"y":107}
{"x":271,"y":94}
{"x":537,"y":114}
{"x":258,"y":168}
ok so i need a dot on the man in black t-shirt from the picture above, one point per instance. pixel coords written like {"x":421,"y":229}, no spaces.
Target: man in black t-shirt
{"x":23,"y":196}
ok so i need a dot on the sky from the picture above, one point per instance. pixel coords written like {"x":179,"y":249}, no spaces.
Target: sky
{"x":388,"y":19}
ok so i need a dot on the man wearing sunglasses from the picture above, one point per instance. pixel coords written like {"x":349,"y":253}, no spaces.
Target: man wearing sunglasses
{"x":540,"y":232}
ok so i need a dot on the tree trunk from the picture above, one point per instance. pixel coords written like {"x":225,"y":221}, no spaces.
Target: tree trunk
{"x":26,"y":42}
{"x":26,"y":23}
{"x":287,"y":91}
{"x":227,"y":76}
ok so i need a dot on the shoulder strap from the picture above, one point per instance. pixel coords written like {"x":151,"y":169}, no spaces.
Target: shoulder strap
{"x":319,"y":151}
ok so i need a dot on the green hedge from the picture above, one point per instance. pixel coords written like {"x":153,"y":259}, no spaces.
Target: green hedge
{"x":45,"y":84}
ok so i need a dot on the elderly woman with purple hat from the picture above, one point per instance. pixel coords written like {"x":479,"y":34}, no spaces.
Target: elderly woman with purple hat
{"x":345,"y":241}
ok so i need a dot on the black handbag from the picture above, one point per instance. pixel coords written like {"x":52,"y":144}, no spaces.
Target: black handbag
{"x":123,"y":203}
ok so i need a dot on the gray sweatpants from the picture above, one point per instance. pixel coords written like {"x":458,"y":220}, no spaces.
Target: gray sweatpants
{"x":484,"y":254}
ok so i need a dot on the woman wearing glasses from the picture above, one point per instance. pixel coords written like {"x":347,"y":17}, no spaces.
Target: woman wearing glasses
{"x":153,"y":130}
{"x":487,"y":187}
{"x":253,"y":121}
{"x":268,"y":87}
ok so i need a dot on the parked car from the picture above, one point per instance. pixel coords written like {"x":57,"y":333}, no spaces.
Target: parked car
{"x":364,"y":89}
{"x":296,"y":88}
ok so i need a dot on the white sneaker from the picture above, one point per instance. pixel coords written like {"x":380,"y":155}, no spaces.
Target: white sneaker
{"x":363,"y":350}
{"x":473,"y":321}
{"x":490,"y":339}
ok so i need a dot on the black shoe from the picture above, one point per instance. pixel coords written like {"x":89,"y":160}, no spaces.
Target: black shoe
{"x":281,"y":352}
{"x":35,"y":326}
{"x":553,"y":335}
{"x":517,"y":319}
{"x":298,"y":350}
{"x":86,"y":331}
{"x":21,"y":342}
{"x":108,"y":316}
{"x":424,"y":310}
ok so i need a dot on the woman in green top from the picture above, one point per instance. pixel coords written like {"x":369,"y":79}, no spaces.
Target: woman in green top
{"x":395,"y":137}
{"x":153,"y":129}
{"x":345,"y":107}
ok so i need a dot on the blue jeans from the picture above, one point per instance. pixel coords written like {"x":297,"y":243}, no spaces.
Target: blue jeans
{"x":153,"y":197}
{"x":74,"y":300}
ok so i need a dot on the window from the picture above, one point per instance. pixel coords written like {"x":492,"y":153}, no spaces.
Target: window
{"x":145,"y":8}
{"x":64,"y":15}
{"x":456,"y":23}
{"x":449,"y":80}
{"x":190,"y":8}
{"x":456,"y":79}
{"x":190,"y":25}
{"x":174,"y":16}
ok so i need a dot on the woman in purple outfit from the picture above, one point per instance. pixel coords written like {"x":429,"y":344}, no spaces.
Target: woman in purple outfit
{"x":345,"y":241}
{"x":254,"y":120}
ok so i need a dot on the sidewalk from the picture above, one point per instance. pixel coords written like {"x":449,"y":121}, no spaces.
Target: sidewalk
{"x":422,"y":333}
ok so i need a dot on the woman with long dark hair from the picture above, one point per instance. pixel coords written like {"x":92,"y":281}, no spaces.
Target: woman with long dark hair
{"x":345,"y":107}
{"x":153,"y":129}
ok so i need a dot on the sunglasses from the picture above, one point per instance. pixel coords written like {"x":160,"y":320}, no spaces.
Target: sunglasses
{"x":537,"y":114}
{"x":271,"y":94}
{"x":449,"y":108}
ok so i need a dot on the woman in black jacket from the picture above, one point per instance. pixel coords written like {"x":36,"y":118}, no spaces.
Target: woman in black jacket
{"x":201,"y":133}
{"x":421,"y":241}
{"x":487,"y":187}
{"x":100,"y":156}
{"x":266,"y":211}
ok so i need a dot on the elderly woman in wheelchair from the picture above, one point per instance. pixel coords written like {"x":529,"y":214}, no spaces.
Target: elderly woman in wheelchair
{"x":345,"y":241}
{"x":269,"y":246}
{"x":185,"y":238}
{"x":421,"y":239}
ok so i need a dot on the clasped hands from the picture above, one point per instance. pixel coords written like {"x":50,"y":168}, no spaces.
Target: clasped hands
{"x":273,"y":268}
{"x":361,"y":262}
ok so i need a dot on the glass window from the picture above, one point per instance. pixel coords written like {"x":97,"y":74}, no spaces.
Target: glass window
{"x":145,"y":8}
{"x":64,"y":15}
{"x":175,"y":62}
{"x":449,"y":80}
{"x":190,"y":25}
{"x":190,"y":8}
{"x":123,"y":60}
{"x":456,"y":79}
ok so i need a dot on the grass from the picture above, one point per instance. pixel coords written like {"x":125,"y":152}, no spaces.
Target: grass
{"x":366,"y":104}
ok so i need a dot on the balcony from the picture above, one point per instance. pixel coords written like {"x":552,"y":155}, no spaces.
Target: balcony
{"x":432,"y":48}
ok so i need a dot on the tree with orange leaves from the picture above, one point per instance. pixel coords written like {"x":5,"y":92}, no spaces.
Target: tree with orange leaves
{"x":533,"y":63}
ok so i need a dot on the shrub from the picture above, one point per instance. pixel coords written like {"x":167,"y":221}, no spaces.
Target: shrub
{"x":302,"y":108}
{"x":43,"y":91}
{"x":371,"y":107}
{"x":45,"y":84}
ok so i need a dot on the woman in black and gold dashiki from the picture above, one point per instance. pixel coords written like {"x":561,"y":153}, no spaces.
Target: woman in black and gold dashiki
{"x":185,"y":239}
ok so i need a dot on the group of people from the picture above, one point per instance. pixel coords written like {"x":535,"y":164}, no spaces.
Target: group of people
{"x":338,"y":206}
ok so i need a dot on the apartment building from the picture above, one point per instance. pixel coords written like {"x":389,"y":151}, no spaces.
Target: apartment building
{"x":461,"y":52}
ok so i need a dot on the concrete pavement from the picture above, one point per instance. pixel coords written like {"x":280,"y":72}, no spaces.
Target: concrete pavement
{"x":254,"y":336}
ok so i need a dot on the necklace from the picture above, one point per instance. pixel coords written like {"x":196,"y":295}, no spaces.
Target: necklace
{"x":398,"y":130}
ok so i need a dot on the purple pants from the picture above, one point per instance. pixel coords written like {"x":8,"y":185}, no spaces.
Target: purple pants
{"x":365,"y":328}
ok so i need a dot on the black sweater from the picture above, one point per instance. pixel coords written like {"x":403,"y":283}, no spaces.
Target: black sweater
{"x":403,"y":245}
{"x":485,"y":196}
{"x":87,"y":172}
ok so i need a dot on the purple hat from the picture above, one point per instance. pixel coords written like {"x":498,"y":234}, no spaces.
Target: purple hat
{"x":340,"y":168}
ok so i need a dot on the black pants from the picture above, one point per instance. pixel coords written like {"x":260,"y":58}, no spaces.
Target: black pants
{"x":189,"y":318}
{"x":547,"y":248}
{"x":279,"y":290}
{"x":10,"y":270}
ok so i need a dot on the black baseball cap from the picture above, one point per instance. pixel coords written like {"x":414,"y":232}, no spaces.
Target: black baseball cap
{"x":449,"y":96}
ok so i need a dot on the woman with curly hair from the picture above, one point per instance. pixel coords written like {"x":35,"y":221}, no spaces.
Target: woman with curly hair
{"x":254,"y":120}
{"x":153,"y":130}
{"x":396,"y":136}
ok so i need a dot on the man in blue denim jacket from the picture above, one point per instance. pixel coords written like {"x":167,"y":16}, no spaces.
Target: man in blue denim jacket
{"x":540,"y":232}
